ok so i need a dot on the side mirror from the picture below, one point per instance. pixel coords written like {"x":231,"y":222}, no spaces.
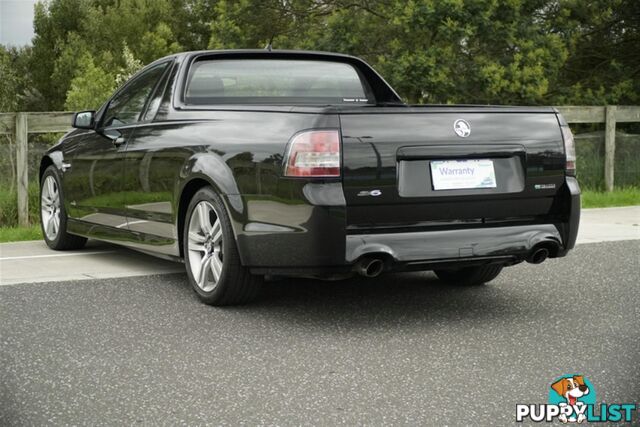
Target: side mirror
{"x":84,"y":120}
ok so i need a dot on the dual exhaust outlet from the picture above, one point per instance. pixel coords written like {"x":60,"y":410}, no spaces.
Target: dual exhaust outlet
{"x":373,"y":266}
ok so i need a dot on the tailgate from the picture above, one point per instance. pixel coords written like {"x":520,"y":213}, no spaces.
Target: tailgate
{"x":407,"y":168}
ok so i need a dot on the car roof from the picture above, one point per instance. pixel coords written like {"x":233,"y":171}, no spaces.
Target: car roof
{"x":260,"y":52}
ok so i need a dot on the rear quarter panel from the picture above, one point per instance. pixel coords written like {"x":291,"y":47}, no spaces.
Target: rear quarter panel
{"x":240,"y":154}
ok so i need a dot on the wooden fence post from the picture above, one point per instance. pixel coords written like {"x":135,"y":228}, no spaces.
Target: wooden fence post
{"x":609,"y":146}
{"x":22,"y":168}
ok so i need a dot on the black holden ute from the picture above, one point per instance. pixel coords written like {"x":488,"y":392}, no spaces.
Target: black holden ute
{"x":253,"y":163}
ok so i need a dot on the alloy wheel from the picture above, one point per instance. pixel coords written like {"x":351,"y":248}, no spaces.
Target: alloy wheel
{"x":204,"y":244}
{"x":50,"y":207}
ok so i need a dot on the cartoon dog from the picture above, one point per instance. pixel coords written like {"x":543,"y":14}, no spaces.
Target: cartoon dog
{"x":571,"y":389}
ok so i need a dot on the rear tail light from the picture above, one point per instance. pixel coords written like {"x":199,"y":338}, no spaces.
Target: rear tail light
{"x":314,"y":153}
{"x":569,"y":149}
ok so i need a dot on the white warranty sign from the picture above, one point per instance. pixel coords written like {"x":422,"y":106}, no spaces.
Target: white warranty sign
{"x":460,"y":174}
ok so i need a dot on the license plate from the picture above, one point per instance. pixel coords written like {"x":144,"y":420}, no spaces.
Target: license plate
{"x":461,"y":174}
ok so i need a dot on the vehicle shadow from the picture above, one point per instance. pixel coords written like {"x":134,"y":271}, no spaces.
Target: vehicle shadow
{"x":392,"y":299}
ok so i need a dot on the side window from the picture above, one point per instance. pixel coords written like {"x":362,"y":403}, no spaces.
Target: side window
{"x":156,"y":98}
{"x":127,"y":106}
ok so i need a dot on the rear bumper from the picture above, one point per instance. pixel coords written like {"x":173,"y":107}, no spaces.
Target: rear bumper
{"x":324,"y":246}
{"x":513,"y":242}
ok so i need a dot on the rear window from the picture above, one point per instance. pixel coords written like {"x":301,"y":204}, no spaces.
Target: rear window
{"x":274,"y":81}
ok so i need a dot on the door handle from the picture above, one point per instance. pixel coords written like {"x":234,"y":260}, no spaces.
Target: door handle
{"x":118,"y":141}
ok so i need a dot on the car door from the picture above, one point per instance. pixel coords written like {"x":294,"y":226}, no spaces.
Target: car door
{"x":94,"y":180}
{"x":152,"y":163}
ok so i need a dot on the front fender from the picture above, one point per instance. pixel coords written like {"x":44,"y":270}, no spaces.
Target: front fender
{"x":54,"y":156}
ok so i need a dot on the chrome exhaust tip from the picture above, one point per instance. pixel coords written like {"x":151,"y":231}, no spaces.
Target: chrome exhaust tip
{"x":369,"y":267}
{"x":538,"y":256}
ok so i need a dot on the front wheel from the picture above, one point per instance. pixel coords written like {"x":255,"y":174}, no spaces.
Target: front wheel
{"x":470,"y":276}
{"x":211,"y":254}
{"x":53,"y":216}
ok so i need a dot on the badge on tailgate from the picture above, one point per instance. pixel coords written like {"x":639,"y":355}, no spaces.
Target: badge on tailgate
{"x":462,"y":174}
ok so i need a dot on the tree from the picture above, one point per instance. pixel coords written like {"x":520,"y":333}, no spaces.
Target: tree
{"x":157,"y":43}
{"x":443,"y":51}
{"x":436,"y":51}
{"x":66,"y":31}
{"x":9,"y":82}
{"x":53,"y":22}
{"x":16,"y":90}
{"x":90,"y":87}
{"x":251,"y":24}
{"x":131,"y":66}
{"x":603,"y":37}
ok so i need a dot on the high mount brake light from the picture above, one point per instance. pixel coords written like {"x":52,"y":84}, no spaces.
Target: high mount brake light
{"x":314,"y":154}
{"x":569,"y":149}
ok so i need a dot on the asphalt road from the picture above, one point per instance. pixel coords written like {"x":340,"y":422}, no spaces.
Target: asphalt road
{"x":400,"y":349}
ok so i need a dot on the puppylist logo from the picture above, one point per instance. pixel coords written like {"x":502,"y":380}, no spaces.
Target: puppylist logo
{"x":572,"y":399}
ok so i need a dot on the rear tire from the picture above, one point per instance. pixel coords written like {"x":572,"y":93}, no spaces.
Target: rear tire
{"x":470,"y":276}
{"x":53,"y":216}
{"x":211,"y":254}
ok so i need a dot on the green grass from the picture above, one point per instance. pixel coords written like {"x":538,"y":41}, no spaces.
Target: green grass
{"x":619,"y":197}
{"x":16,"y":234}
{"x":9,"y":206}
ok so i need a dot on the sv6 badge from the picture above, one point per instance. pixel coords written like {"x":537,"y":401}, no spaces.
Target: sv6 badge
{"x":374,"y":193}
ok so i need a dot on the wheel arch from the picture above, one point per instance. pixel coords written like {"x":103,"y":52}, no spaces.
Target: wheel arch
{"x":189,"y":187}
{"x":52,"y":158}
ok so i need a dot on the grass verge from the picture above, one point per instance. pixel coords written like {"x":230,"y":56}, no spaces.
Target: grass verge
{"x":620,"y":197}
{"x":16,"y":234}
